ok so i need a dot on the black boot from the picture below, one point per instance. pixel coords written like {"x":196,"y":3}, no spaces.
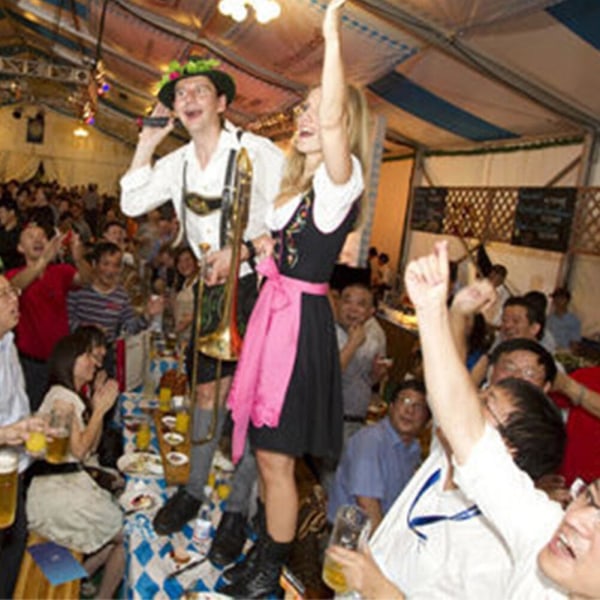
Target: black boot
{"x":229,"y":539}
{"x":235,"y":572}
{"x":178,"y":510}
{"x":262,"y":580}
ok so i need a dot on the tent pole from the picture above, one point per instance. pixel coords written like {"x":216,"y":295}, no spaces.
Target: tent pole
{"x":416,"y":177}
{"x":588,"y":156}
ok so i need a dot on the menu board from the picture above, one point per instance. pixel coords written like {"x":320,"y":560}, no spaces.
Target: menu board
{"x":544,"y":217}
{"x":429,"y":208}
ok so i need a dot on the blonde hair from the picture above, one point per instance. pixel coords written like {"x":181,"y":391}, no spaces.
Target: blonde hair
{"x":358,"y":128}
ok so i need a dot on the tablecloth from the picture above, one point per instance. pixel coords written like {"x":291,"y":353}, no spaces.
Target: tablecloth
{"x":148,"y":562}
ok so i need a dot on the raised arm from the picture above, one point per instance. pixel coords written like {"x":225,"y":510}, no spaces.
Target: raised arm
{"x":332,"y":112}
{"x":451,"y":393}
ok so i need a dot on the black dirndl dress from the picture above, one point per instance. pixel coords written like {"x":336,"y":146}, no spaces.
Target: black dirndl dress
{"x":311,"y":420}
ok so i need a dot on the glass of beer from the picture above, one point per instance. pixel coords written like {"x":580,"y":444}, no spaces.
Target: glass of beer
{"x":182,"y":421}
{"x":36,"y":439}
{"x":164,"y":399}
{"x":350,"y":530}
{"x":57,"y":445}
{"x":9,"y":463}
{"x":142,"y":438}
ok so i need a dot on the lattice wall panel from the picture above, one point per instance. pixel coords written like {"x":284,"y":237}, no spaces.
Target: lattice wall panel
{"x":488,"y":214}
{"x":585,"y":234}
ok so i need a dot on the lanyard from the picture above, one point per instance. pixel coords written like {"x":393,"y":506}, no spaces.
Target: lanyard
{"x":414,"y":522}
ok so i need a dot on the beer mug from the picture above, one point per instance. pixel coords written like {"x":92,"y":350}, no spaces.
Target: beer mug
{"x":350,"y":530}
{"x":9,"y":463}
{"x":57,"y":445}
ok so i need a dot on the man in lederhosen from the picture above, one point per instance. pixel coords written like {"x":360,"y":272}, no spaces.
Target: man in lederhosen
{"x":194,"y":178}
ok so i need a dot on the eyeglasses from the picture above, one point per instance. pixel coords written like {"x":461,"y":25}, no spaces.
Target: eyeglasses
{"x":485,"y":400}
{"x":514,"y":370}
{"x":9,"y":291}
{"x":412,"y":402}
{"x":583,"y":495}
{"x":200,"y":90}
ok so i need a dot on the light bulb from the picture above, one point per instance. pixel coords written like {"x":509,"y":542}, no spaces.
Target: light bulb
{"x":239,"y":13}
{"x":266,"y":10}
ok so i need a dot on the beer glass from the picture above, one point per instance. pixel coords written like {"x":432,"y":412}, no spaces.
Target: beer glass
{"x":57,"y":445}
{"x":164,"y":399}
{"x":9,"y":463}
{"x":142,"y":438}
{"x":350,"y":530}
{"x":36,"y":440}
{"x":182,"y":421}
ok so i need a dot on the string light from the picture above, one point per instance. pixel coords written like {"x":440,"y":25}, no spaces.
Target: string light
{"x":264,"y":10}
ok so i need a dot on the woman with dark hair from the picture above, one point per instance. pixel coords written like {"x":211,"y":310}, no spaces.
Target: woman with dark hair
{"x":64,"y":503}
{"x":187,"y":274}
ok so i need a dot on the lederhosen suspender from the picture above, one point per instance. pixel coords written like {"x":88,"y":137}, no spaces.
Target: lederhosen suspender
{"x":203,"y":206}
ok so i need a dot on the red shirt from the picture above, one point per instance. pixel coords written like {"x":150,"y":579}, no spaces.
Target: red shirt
{"x":582,"y":453}
{"x":43,"y":306}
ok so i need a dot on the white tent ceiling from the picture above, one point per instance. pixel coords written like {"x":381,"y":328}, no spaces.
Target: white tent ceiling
{"x":446,"y":74}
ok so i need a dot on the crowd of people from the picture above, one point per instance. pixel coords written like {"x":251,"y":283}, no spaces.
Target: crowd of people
{"x":492,"y":507}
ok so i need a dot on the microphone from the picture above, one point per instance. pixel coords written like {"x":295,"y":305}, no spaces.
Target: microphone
{"x":152,"y":121}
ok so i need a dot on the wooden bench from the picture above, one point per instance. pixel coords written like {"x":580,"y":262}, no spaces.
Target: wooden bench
{"x":32,"y":583}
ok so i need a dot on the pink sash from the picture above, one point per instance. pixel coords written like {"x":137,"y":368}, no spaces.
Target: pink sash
{"x":268,"y":355}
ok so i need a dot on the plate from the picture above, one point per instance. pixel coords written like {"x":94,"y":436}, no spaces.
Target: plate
{"x":168,"y":421}
{"x":140,"y":464}
{"x":177,"y":459}
{"x":191,"y":556}
{"x":172,"y":438}
{"x":139,"y":500}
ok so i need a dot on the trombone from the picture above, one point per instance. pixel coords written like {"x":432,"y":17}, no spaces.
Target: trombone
{"x":225,"y":343}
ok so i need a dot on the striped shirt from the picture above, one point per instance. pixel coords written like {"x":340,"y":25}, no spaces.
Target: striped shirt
{"x":111,"y":311}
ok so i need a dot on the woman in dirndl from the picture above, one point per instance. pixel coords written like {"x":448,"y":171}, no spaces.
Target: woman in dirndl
{"x":286,"y":393}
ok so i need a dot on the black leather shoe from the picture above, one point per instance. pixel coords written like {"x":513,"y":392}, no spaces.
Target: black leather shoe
{"x":229,"y":539}
{"x":178,"y":510}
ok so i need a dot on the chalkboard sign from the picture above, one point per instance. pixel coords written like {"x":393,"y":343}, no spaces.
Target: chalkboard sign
{"x":543,"y":218}
{"x":429,"y":207}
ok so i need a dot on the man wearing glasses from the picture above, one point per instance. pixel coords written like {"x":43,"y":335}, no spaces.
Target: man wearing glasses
{"x":14,"y":421}
{"x":197,"y":178}
{"x":434,"y":542}
{"x":378,"y":461}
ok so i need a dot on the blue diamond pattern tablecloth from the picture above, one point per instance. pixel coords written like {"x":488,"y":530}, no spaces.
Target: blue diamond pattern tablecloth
{"x":148,"y":562}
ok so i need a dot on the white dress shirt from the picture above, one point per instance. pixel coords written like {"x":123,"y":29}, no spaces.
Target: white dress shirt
{"x":148,"y":187}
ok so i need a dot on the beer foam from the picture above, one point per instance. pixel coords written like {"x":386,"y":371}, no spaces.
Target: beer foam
{"x":8,"y":462}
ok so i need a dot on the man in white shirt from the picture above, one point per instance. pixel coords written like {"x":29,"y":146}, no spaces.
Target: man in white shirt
{"x":449,"y":549}
{"x":14,"y":421}
{"x":197,"y":179}
{"x":555,"y":556}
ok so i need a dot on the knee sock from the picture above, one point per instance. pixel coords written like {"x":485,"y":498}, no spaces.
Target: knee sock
{"x":202,"y":455}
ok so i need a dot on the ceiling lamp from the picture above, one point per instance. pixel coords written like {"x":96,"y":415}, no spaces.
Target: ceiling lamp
{"x":81,"y":132}
{"x":264,"y":10}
